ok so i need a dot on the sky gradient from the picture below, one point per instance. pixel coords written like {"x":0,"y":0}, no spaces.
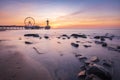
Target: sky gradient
{"x":62,"y":13}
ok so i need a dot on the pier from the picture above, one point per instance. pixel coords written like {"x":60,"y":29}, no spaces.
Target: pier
{"x":29,"y":24}
{"x":12,"y":27}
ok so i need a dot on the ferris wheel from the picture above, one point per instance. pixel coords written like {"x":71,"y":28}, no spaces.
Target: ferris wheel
{"x":29,"y":21}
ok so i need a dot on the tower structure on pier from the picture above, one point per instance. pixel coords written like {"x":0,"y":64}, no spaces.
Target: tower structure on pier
{"x":47,"y":26}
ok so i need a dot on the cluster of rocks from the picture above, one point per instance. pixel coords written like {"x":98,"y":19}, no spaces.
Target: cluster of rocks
{"x":103,"y":44}
{"x":114,"y":48}
{"x":65,"y":36}
{"x":36,"y":35}
{"x":102,"y":38}
{"x":33,"y":35}
{"x":91,"y":70}
{"x":94,"y":72}
{"x":76,"y":45}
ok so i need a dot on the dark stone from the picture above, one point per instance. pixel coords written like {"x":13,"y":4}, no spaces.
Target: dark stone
{"x":78,"y":36}
{"x":58,"y":37}
{"x":40,"y":37}
{"x":89,"y":41}
{"x":118,"y":47}
{"x":59,"y":42}
{"x":61,"y":54}
{"x":99,"y":42}
{"x":104,"y":45}
{"x":102,"y":39}
{"x":82,"y":58}
{"x":82,"y":74}
{"x":20,"y":38}
{"x":88,"y":62}
{"x":77,"y":41}
{"x":75,"y":45}
{"x":107,"y":63}
{"x":46,"y":37}
{"x":86,"y":46}
{"x":97,"y":37}
{"x":65,"y":36}
{"x":26,"y":42}
{"x":92,"y":77}
{"x":31,"y":35}
{"x":94,"y":59}
{"x":99,"y":71}
{"x":113,"y":49}
{"x":83,"y":67}
{"x":76,"y":55}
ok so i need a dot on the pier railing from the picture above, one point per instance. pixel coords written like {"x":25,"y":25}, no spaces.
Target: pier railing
{"x":11,"y":27}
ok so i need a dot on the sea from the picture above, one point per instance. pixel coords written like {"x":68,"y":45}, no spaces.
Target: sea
{"x":57,"y":53}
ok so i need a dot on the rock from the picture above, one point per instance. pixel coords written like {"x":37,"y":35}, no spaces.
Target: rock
{"x":88,"y":62}
{"x":26,"y":42}
{"x":65,"y":36}
{"x":77,"y":41}
{"x":97,"y":37}
{"x":92,"y":77}
{"x":40,"y":37}
{"x":113,"y":49}
{"x":98,"y":42}
{"x":46,"y":37}
{"x":31,"y":35}
{"x":75,"y":45}
{"x":118,"y":47}
{"x":82,"y":74}
{"x":77,"y":55}
{"x":99,"y":71}
{"x":82,"y":58}
{"x":37,"y":50}
{"x":68,"y":37}
{"x":102,"y":39}
{"x":94,"y":59}
{"x":78,"y":36}
{"x":86,"y":46}
{"x":20,"y":38}
{"x":58,"y":37}
{"x":59,"y":42}
{"x":89,"y":41}
{"x":83,"y":67}
{"x":104,"y":45}
{"x":107,"y":63}
{"x":61,"y":54}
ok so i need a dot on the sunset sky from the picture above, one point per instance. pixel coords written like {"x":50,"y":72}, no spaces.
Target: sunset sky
{"x":62,"y":13}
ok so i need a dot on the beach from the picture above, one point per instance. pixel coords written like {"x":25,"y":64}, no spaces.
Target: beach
{"x":58,"y":54}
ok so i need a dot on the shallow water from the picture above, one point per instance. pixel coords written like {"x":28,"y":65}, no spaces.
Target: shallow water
{"x":57,"y":55}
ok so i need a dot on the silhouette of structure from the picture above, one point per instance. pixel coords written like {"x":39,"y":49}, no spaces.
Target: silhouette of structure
{"x":47,"y":27}
{"x":11,"y":27}
{"x":29,"y":24}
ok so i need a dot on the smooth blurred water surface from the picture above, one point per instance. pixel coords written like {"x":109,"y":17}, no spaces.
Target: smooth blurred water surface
{"x":59,"y":58}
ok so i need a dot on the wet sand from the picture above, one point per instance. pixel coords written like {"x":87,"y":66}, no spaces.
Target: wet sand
{"x":14,"y":65}
{"x":52,"y":58}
